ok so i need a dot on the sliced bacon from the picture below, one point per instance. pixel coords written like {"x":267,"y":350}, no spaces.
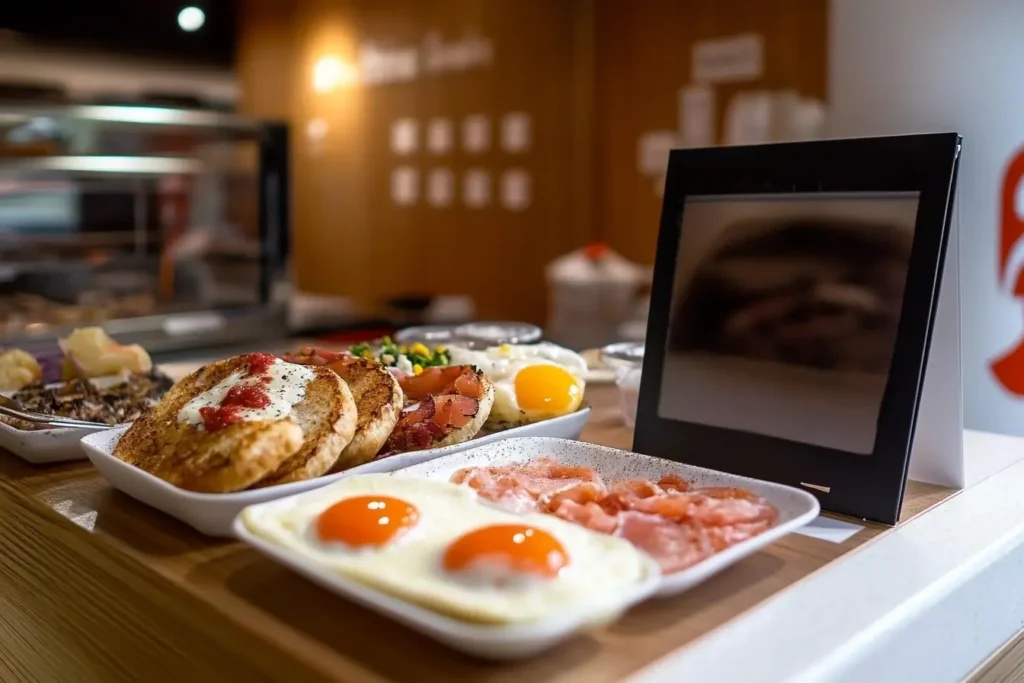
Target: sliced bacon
{"x":673,"y":482}
{"x":677,"y":525}
{"x":424,"y":423}
{"x":339,"y":361}
{"x":462,"y":380}
{"x":526,"y":487}
{"x":590,"y":515}
{"x":673,"y":546}
{"x":579,"y":494}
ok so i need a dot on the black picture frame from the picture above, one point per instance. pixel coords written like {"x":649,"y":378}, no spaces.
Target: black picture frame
{"x":865,"y":486}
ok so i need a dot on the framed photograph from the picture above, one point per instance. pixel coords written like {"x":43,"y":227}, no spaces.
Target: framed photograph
{"x":795,"y":291}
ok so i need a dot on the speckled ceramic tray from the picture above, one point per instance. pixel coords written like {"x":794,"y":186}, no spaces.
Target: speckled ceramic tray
{"x":796,"y":507}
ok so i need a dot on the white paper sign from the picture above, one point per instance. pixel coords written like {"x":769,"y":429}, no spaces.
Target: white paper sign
{"x":748,"y":119}
{"x":515,"y":190}
{"x":476,"y":188}
{"x":405,"y":182}
{"x":439,"y":136}
{"x":515,"y":132}
{"x":476,"y":134}
{"x":440,"y":187}
{"x":697,"y":116}
{"x":404,"y":136}
{"x":652,"y":152}
{"x":736,"y":58}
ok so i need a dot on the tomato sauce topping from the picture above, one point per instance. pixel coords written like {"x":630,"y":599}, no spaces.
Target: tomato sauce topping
{"x":230,"y":409}
{"x":216,"y":418}
{"x":259,"y":363}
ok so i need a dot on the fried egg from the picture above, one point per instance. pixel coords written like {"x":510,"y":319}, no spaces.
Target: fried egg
{"x":436,"y":544}
{"x":532,"y":382}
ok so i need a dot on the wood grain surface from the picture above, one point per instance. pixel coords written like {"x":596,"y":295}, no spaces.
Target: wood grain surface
{"x":95,"y":586}
{"x":1006,"y":665}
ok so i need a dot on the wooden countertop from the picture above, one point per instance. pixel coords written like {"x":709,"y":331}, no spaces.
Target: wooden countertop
{"x":95,"y":586}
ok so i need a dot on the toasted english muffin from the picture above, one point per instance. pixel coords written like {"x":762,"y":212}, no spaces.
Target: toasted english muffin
{"x":241,"y":454}
{"x":470,"y":430}
{"x":379,"y":403}
{"x":412,"y":432}
{"x":327,"y":416}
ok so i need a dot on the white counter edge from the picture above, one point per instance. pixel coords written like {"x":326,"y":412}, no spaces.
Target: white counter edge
{"x":927,"y":601}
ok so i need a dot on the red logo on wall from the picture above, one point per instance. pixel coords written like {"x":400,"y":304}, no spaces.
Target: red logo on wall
{"x":1009,"y":368}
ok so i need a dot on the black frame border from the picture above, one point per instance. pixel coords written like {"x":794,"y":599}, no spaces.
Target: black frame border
{"x":864,"y":486}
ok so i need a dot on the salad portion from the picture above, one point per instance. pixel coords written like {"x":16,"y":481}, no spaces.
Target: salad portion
{"x":413,"y":358}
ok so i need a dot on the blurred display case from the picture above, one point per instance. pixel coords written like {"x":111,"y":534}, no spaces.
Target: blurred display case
{"x":167,"y":226}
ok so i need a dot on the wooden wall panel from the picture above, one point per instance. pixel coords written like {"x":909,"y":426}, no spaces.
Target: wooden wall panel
{"x":642,"y":55}
{"x":350,"y":238}
{"x":594,"y":75}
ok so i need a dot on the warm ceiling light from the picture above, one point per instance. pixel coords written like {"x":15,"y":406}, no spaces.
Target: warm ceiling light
{"x":331,"y":72}
{"x":191,"y":19}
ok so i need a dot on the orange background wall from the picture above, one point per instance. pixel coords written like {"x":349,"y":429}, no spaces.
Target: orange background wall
{"x":642,"y":59}
{"x":349,"y":237}
{"x":593,"y":74}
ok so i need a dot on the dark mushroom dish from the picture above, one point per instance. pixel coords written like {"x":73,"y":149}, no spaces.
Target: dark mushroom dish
{"x":83,"y":400}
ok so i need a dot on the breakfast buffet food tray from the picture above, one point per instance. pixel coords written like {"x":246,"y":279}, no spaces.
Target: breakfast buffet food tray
{"x":90,"y":565}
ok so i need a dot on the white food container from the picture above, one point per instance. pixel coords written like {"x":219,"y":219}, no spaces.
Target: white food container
{"x":592,"y":292}
{"x":796,"y":508}
{"x":44,"y":446}
{"x":213,"y":513}
{"x":485,"y":641}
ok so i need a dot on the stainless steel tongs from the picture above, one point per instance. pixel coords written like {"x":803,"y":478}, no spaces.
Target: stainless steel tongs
{"x":11,"y":408}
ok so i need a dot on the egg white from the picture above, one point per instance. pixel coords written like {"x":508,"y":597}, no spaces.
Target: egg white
{"x":507,"y":411}
{"x":501,"y":364}
{"x":496,"y":361}
{"x":411,"y":566}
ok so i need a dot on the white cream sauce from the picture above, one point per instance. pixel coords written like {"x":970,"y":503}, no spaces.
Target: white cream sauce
{"x":286,"y":388}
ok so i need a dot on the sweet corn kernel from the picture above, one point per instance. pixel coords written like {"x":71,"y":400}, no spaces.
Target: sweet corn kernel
{"x":419,"y":349}
{"x":417,"y":369}
{"x":441,"y":348}
{"x":504,"y":348}
{"x":368,"y":353}
{"x":403,"y":349}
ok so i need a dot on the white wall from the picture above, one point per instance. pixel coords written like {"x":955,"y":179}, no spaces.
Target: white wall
{"x":904,"y":66}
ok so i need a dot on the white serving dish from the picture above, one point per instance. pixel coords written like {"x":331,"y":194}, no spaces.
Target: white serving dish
{"x":213,"y":513}
{"x":796,"y":508}
{"x":484,"y":641}
{"x":42,"y":446}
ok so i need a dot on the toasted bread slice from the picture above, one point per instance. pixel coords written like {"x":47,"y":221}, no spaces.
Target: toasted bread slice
{"x":379,"y":403}
{"x":236,"y":457}
{"x":327,"y":416}
{"x":233,"y":458}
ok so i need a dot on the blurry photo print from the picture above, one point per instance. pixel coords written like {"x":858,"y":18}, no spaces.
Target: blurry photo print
{"x":784,"y":314}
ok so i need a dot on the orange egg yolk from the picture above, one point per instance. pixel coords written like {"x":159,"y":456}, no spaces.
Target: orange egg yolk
{"x":521,"y":549}
{"x":546,"y":388}
{"x":366,"y":521}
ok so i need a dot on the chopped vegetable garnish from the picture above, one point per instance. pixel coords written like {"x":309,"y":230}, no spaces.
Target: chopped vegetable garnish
{"x":404,"y":357}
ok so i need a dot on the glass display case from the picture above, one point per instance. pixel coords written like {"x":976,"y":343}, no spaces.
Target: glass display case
{"x":168,"y":227}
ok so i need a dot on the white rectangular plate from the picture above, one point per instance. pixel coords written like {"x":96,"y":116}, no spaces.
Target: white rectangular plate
{"x":484,"y":641}
{"x":214,"y":513}
{"x":796,"y":507}
{"x":42,"y":446}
